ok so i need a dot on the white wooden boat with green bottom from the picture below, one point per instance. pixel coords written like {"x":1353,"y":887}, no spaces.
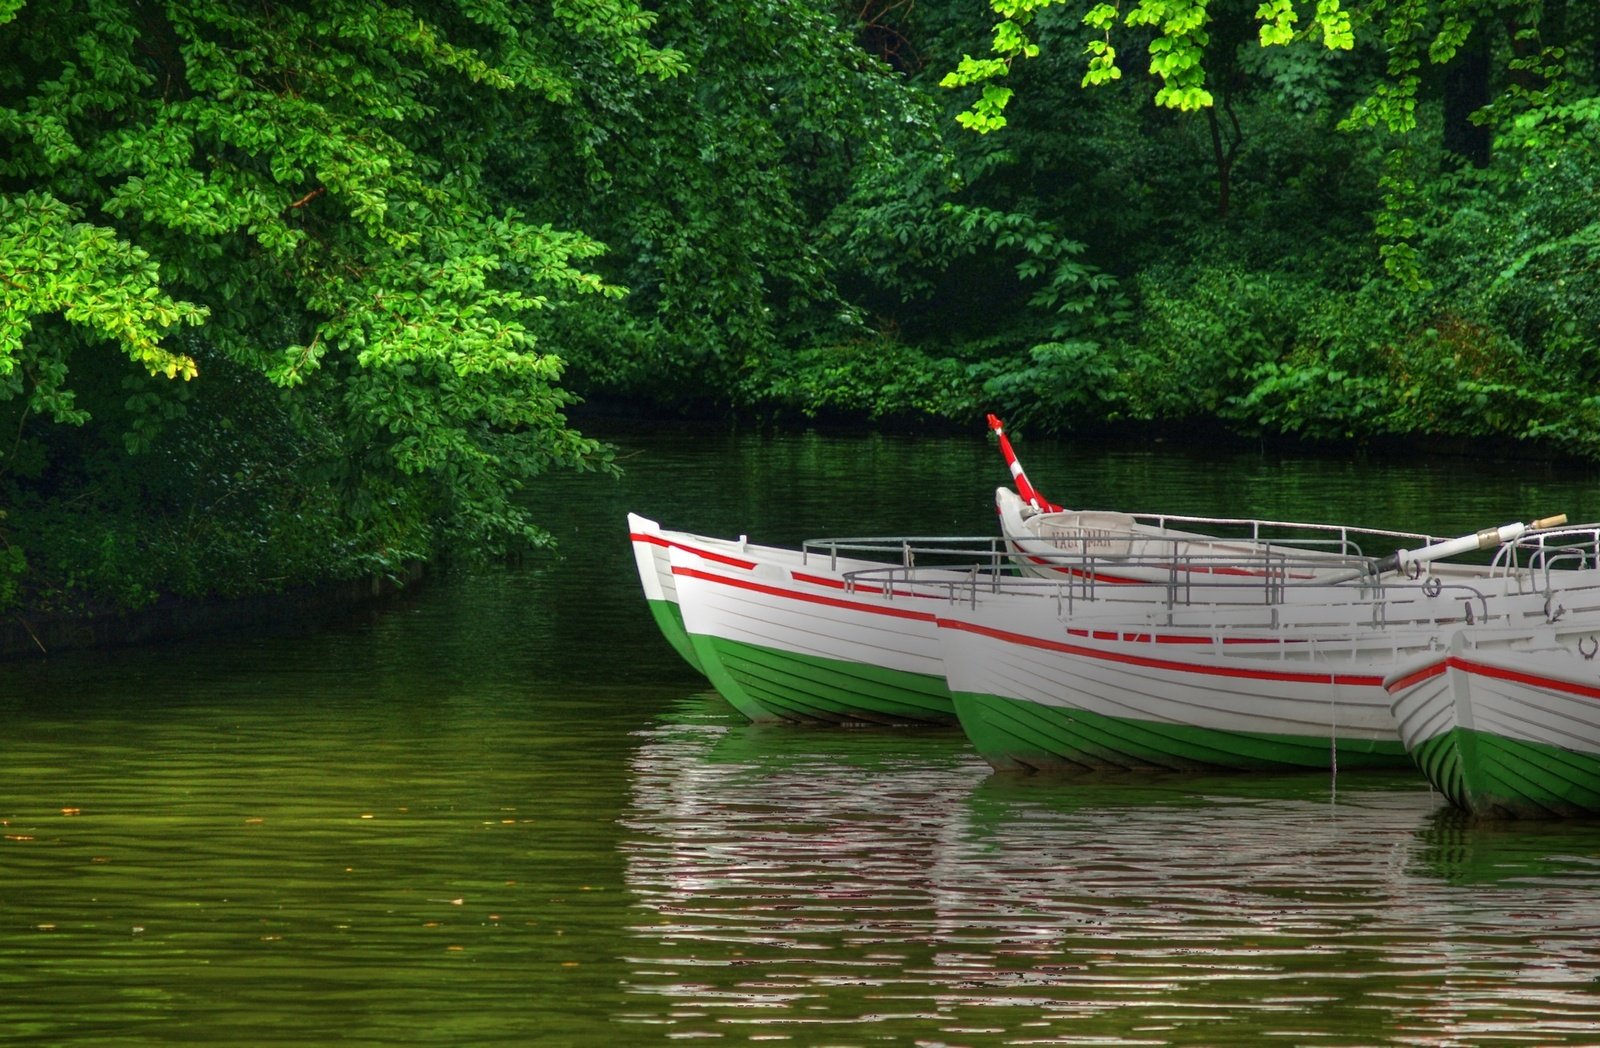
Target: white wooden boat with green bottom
{"x":1035,"y":692}
{"x":861,"y":646}
{"x":1505,"y":723}
{"x":651,"y":543}
{"x":875,"y":646}
{"x":837,"y":646}
{"x":781,"y":648}
{"x":1301,"y":686}
{"x":822,"y":561}
{"x":1095,"y":548}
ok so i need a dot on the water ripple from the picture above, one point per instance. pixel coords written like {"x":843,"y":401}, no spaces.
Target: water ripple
{"x":842,"y":882}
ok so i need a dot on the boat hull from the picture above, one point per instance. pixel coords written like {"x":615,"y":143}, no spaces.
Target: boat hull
{"x":1504,"y":734}
{"x":782,"y":649}
{"x":1020,"y":735}
{"x":1108,"y":700}
{"x":668,"y":618}
{"x":769,"y":684}
{"x":652,"y":556}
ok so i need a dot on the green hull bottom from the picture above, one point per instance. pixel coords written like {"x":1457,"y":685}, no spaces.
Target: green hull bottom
{"x":766,"y":684}
{"x":1505,"y":778}
{"x":669,"y":619}
{"x":1015,"y":735}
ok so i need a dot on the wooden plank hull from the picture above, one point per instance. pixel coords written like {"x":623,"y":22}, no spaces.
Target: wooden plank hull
{"x":779,"y":649}
{"x":1102,"y":698}
{"x":652,"y":547}
{"x":1503,"y":732}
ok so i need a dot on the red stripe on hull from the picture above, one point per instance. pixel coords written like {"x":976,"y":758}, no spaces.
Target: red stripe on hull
{"x":1164,"y":664}
{"x":720,"y":558}
{"x":808,"y":598}
{"x":1411,"y":680}
{"x":1466,"y":665}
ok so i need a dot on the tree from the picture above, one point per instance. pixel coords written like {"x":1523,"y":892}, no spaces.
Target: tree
{"x":282,"y":210}
{"x":1477,"y":322}
{"x":712,"y":213}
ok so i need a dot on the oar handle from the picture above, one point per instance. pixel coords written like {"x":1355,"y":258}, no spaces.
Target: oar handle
{"x":1488,"y":538}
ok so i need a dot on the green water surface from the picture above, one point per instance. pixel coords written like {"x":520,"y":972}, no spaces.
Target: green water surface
{"x":502,"y":811}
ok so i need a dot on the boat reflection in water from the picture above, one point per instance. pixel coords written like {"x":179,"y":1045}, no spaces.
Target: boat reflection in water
{"x":1462,"y":849}
{"x":845,"y":886}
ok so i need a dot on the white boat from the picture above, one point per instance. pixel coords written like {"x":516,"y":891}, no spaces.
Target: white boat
{"x":1298,"y":683}
{"x":1116,"y":548}
{"x":802,"y":636}
{"x":1507,"y":723}
{"x":864,"y":645}
{"x":1108,"y":548}
{"x":652,"y":543}
{"x":846,"y":641}
{"x":810,"y":634}
{"x":821,"y":562}
{"x":1040,"y":693}
{"x":1092,"y":546}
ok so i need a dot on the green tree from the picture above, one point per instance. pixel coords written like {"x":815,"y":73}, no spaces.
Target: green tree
{"x":1452,"y":141}
{"x":712,"y":210}
{"x":220,"y":217}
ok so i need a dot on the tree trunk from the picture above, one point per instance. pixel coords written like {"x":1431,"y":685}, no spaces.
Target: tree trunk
{"x":1224,"y":151}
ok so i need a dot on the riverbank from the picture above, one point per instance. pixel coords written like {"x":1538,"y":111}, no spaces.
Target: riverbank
{"x":304,"y":609}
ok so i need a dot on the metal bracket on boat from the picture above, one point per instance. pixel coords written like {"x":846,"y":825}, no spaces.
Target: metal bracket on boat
{"x":1432,"y":587}
{"x":1414,"y":570}
{"x":1550,"y":616}
{"x":1587,"y":651}
{"x":1466,"y":606}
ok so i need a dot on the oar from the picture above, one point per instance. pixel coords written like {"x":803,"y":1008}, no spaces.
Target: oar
{"x":1029,"y":493}
{"x":1488,"y":538}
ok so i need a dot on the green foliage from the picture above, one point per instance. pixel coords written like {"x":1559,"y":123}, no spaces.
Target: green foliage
{"x":1177,"y":48}
{"x":384,"y":245}
{"x":1272,"y":325}
{"x":1525,"y":261}
{"x":1538,"y":110}
{"x":1068,"y":385}
{"x":873,"y":380}
{"x":13,"y":567}
{"x":709,"y":188}
{"x":1290,"y":356}
{"x":298,"y":192}
{"x":108,"y":288}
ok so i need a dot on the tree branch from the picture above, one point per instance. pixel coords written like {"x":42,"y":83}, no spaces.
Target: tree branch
{"x":308,"y":198}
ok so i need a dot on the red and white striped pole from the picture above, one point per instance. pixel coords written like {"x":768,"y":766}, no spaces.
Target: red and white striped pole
{"x":1029,"y":493}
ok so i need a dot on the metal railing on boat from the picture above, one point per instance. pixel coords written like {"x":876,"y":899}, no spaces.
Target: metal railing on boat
{"x":1256,"y":602}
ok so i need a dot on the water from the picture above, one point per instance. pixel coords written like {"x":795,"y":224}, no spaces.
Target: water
{"x":501,"y":811}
